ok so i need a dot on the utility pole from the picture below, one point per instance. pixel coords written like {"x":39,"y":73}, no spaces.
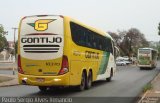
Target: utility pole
{"x":14,"y":35}
{"x":14,"y":46}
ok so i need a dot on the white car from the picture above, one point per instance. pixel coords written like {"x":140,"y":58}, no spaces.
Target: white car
{"x":121,"y":62}
{"x":128,"y":62}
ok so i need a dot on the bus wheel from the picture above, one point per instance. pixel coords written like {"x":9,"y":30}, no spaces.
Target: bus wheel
{"x":81,"y":87}
{"x":110,"y":77}
{"x":42,"y":88}
{"x":89,"y":80}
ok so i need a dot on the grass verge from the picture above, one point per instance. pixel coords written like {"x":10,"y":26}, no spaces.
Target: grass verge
{"x":147,"y":87}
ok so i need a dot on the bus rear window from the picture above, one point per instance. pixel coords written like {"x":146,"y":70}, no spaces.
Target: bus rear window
{"x":144,"y":51}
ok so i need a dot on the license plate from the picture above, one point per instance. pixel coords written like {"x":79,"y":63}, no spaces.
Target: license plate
{"x":40,"y":79}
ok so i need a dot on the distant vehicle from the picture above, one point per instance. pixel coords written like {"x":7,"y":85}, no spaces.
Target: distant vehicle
{"x":122,"y":58}
{"x":128,"y":62}
{"x":126,"y":57}
{"x":147,"y":58}
{"x":121,"y":62}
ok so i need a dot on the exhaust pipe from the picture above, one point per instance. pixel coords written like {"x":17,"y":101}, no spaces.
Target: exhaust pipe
{"x":24,"y":81}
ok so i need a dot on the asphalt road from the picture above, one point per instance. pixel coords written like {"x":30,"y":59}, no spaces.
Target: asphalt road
{"x":127,"y":84}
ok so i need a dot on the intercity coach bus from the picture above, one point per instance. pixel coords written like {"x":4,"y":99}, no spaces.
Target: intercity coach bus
{"x":56,"y":50}
{"x":147,"y":58}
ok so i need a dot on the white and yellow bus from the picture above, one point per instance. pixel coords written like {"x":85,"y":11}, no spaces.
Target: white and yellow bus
{"x":147,"y":58}
{"x":56,"y":50}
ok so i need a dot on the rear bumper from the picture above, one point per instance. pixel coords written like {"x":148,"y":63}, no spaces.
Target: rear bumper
{"x":147,"y":66}
{"x":61,"y":80}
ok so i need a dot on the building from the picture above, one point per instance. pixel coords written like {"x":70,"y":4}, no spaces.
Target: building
{"x":11,"y":44}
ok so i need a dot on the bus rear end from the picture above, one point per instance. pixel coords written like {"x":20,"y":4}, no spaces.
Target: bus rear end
{"x":144,"y":58}
{"x":41,"y":61}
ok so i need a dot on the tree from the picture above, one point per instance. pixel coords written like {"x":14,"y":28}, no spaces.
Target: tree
{"x":3,"y":40}
{"x":116,"y":37}
{"x":134,"y":39}
{"x":159,"y":29}
{"x":118,"y":40}
{"x":129,"y":41}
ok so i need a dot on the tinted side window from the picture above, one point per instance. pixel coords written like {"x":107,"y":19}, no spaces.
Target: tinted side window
{"x":87,"y":38}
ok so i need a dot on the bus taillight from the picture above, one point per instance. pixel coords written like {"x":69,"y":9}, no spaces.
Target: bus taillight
{"x":65,"y":65}
{"x":19,"y":65}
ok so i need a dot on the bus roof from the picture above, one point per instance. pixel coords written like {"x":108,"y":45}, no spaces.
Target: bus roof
{"x":147,"y":49}
{"x":89,"y":27}
{"x":80,"y":23}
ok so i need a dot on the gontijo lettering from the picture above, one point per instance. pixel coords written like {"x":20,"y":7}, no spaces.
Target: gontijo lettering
{"x":41,"y":40}
{"x":90,"y":54}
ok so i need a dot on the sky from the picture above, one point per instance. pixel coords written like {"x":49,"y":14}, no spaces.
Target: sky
{"x":106,"y":15}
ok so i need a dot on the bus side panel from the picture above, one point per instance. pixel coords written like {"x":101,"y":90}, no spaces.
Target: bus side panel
{"x":105,"y":65}
{"x":76,"y":72}
{"x":77,"y":68}
{"x":82,"y":60}
{"x":76,"y":57}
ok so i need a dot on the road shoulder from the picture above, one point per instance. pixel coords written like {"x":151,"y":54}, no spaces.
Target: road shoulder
{"x":8,"y":80}
{"x":153,"y":95}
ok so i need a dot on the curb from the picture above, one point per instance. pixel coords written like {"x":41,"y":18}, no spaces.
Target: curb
{"x":8,"y":68}
{"x":12,"y":82}
{"x":148,"y":91}
{"x":7,"y":62}
{"x":144,"y":95}
{"x":7,"y":84}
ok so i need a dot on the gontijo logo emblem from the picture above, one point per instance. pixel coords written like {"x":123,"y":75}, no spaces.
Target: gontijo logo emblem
{"x":41,"y":24}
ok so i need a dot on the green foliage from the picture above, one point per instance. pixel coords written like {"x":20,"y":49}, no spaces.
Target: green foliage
{"x":3,"y":40}
{"x":147,"y":87}
{"x":1,"y":29}
{"x":129,"y":41}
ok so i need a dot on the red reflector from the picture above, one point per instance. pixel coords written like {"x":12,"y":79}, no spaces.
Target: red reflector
{"x":64,"y":66}
{"x":19,"y":65}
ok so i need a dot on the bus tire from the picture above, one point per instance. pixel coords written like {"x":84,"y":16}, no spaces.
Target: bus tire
{"x":110,"y":77}
{"x":81,"y":87}
{"x":89,"y":80}
{"x":43,"y":88}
